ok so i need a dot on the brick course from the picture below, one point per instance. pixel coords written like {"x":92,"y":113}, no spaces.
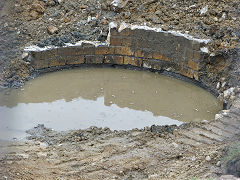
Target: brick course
{"x":139,"y":47}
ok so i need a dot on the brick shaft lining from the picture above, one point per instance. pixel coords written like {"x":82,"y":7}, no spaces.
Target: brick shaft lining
{"x":139,"y":47}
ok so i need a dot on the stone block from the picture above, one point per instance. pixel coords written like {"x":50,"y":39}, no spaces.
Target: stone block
{"x":38,"y":55}
{"x":188,"y":53}
{"x":159,"y":56}
{"x":52,"y":53}
{"x":91,"y":59}
{"x":66,"y":51}
{"x":120,"y":50}
{"x":159,"y":65}
{"x":112,"y":59}
{"x":187,"y":72}
{"x":196,"y":45}
{"x":193,"y":65}
{"x":196,"y":55}
{"x":114,"y":32}
{"x":84,"y":50}
{"x":58,"y":61}
{"x":139,"y":53}
{"x":152,"y":64}
{"x":125,"y":32}
{"x":147,"y":54}
{"x":75,"y":60}
{"x":126,"y":41}
{"x":133,"y":61}
{"x":116,"y":41}
{"x":104,"y":50}
{"x":40,"y":64}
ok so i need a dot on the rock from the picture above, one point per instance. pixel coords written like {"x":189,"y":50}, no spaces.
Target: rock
{"x":24,"y":55}
{"x":175,"y":145}
{"x":218,"y":164}
{"x":227,"y":93}
{"x":103,"y":21}
{"x":5,"y":24}
{"x":60,"y":1}
{"x":38,"y":8}
{"x":67,"y":19}
{"x":204,"y":10}
{"x":205,"y":121}
{"x":52,"y":29}
{"x":34,"y":14}
{"x":126,"y":15}
{"x":208,"y":158}
{"x":193,"y":158}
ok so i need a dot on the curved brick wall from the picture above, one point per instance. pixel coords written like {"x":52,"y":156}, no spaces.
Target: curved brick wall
{"x":130,"y":45}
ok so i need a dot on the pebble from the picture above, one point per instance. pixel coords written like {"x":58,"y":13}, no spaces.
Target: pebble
{"x":208,"y":158}
{"x":52,"y":29}
{"x":193,"y":158}
{"x":204,"y":10}
{"x":24,"y":55}
{"x":175,"y":145}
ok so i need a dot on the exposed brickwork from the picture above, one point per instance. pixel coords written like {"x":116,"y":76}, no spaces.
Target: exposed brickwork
{"x":113,"y":59}
{"x":139,"y":47}
{"x":75,"y":60}
{"x":193,"y":65}
{"x":133,"y":61}
{"x":104,"y":50}
{"x":121,"y":50}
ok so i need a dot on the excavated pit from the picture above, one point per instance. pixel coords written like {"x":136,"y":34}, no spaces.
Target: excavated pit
{"x":120,"y":99}
{"x":142,"y":153}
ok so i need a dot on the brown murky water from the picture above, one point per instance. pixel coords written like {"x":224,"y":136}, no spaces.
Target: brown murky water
{"x":120,"y":99}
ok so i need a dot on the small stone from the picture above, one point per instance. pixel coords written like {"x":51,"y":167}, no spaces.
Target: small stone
{"x":208,"y":158}
{"x":228,"y":92}
{"x":24,"y":55}
{"x":204,"y":10}
{"x":215,"y":19}
{"x":34,"y":14}
{"x":104,"y":21}
{"x":67,"y":19}
{"x":127,"y":15}
{"x":218,"y":164}
{"x":5,"y":24}
{"x":60,"y":1}
{"x":193,"y":158}
{"x":175,"y":145}
{"x":205,"y":121}
{"x":38,"y":8}
{"x":52,"y":29}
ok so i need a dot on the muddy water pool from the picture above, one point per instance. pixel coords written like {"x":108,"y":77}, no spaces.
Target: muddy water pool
{"x":120,"y":99}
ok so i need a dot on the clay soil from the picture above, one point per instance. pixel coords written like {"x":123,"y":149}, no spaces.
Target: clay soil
{"x":162,"y":153}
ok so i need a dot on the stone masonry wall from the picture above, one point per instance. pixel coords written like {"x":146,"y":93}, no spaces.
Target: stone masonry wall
{"x":139,"y":47}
